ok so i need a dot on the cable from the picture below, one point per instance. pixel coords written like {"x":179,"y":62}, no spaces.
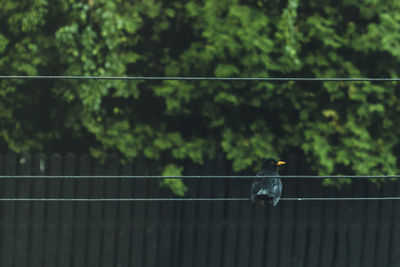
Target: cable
{"x":299,"y":79}
{"x":196,"y":177}
{"x":188,"y":199}
{"x":121,"y":199}
{"x":337,"y":198}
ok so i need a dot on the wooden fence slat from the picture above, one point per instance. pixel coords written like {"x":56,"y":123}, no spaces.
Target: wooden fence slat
{"x":3,"y":226}
{"x":313,"y":244}
{"x":258,"y":243}
{"x":176,"y":234}
{"x":52,"y":210}
{"x":203,"y":215}
{"x":23,"y":213}
{"x":38,"y":212}
{"x":244,"y":241}
{"x":260,"y":225}
{"x":231,"y":229}
{"x":9,"y":191}
{"x":67,"y":213}
{"x":273,"y":237}
{"x":152,"y":217}
{"x":2,"y":171}
{"x":167,"y":225}
{"x":383,"y":231}
{"x":341,"y":229}
{"x":328,"y":238}
{"x":369,"y":245}
{"x":80,"y":235}
{"x":110,"y":213}
{"x":288,"y":212}
{"x":137,"y":256}
{"x":124,"y":218}
{"x":217,"y":214}
{"x":188,"y":229}
{"x":246,"y":225}
{"x":176,"y":245}
{"x":96,"y":225}
{"x":301,"y":213}
{"x":394,"y":251}
{"x":356,"y":227}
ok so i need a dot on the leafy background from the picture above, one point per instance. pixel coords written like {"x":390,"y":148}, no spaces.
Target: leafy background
{"x":339,"y":128}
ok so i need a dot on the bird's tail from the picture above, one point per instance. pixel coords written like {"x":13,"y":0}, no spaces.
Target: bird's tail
{"x":263,"y":196}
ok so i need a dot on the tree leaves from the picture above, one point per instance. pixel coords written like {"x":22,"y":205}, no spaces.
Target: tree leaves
{"x":340,"y":128}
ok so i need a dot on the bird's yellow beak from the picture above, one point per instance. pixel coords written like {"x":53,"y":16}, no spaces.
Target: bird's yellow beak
{"x":280,"y":163}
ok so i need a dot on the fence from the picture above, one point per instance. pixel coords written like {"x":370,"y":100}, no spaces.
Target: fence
{"x":180,"y":234}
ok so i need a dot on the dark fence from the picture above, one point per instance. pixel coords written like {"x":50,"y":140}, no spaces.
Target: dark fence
{"x":180,"y":234}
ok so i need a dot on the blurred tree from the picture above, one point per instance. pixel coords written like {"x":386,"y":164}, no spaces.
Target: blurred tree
{"x":347,"y":128}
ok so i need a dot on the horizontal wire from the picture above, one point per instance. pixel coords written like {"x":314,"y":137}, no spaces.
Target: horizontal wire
{"x":337,"y":198}
{"x":188,"y":199}
{"x":121,"y":199}
{"x":308,"y":79}
{"x":196,"y":177}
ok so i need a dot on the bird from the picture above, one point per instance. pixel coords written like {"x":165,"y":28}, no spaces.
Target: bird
{"x":267,"y":189}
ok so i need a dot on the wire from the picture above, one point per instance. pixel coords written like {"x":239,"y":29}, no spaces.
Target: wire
{"x":121,"y":199}
{"x":196,"y":177}
{"x":300,"y":79}
{"x":337,"y":198}
{"x":188,"y":199}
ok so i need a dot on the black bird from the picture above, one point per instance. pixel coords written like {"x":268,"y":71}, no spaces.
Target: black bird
{"x":267,"y":189}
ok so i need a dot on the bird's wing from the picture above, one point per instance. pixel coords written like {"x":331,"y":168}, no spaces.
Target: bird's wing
{"x":277,"y":187}
{"x":277,"y":192}
{"x":255,"y":187}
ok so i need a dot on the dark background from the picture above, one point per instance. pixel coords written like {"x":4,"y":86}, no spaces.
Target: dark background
{"x":294,"y":233}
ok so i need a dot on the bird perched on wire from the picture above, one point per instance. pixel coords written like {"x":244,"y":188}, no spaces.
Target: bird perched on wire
{"x":268,"y":188}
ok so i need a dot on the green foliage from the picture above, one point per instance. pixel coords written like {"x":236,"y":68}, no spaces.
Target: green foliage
{"x":341,"y":128}
{"x":176,"y":185}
